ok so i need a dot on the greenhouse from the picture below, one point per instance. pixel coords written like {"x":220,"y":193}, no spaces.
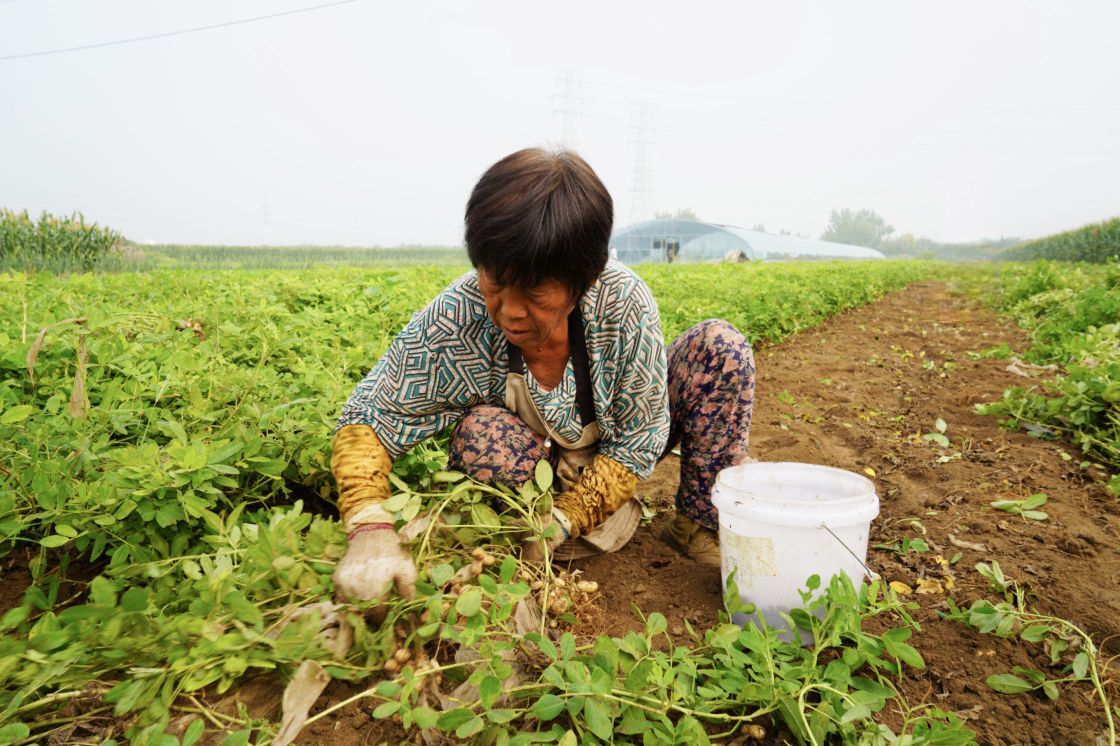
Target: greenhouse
{"x":672,"y":240}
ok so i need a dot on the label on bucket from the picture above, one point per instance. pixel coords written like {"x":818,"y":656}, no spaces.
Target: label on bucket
{"x":753,"y":555}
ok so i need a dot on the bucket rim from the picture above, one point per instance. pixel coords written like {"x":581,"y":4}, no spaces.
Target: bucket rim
{"x":733,"y":503}
{"x":851,"y":476}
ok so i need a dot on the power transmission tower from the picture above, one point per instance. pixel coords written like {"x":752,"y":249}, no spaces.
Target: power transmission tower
{"x":266,"y":219}
{"x":641,"y":183}
{"x":568,"y":95}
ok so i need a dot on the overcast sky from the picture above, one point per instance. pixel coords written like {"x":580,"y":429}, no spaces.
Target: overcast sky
{"x":369,"y":122}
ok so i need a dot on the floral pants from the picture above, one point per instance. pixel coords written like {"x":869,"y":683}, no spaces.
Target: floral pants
{"x":711,"y":393}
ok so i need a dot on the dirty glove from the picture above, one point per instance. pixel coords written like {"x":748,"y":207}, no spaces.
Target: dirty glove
{"x":375,"y":559}
{"x":604,"y":486}
{"x":555,"y":529}
{"x":374,"y":562}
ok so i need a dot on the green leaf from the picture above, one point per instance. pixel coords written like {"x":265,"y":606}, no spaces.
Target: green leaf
{"x":856,"y":712}
{"x":469,"y":602}
{"x":237,"y":738}
{"x":893,"y":642}
{"x":548,"y":707}
{"x":452,"y":719}
{"x":193,"y":733}
{"x":484,"y":516}
{"x":638,"y":676}
{"x":937,"y":438}
{"x":1081,"y":665}
{"x":1050,"y":689}
{"x":633,"y":722}
{"x":469,"y":728}
{"x":425,"y":717}
{"x":1036,"y":500}
{"x":508,"y":569}
{"x":939,"y":425}
{"x":440,"y":574}
{"x":1036,"y":515}
{"x":18,"y":413}
{"x":501,"y":716}
{"x":396,"y":502}
{"x":388,"y":689}
{"x":1035,"y":632}
{"x":52,"y":541}
{"x":599,"y":720}
{"x":271,"y":467}
{"x":543,"y":475}
{"x":567,"y":645}
{"x":488,"y":584}
{"x":543,"y":643}
{"x":14,"y":732}
{"x":134,"y":599}
{"x":489,"y":690}
{"x":1007,"y":683}
{"x":656,"y":624}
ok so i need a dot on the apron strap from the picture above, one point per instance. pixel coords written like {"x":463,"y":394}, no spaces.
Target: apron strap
{"x":581,"y":366}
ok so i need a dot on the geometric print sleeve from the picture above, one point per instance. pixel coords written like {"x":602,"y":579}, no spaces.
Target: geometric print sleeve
{"x":440,"y":364}
{"x":639,"y":403}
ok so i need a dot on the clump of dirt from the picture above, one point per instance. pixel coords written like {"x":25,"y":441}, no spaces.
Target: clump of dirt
{"x":858,"y":393}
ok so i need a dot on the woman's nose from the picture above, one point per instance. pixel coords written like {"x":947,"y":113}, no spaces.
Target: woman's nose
{"x":515,"y":310}
{"x":514,"y":307}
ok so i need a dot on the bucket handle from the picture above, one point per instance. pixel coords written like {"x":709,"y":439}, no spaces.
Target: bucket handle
{"x":870,"y":573}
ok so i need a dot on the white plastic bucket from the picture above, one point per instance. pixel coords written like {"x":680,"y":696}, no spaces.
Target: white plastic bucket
{"x":781,"y":522}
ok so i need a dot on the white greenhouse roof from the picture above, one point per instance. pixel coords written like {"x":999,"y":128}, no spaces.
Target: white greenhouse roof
{"x":692,"y":241}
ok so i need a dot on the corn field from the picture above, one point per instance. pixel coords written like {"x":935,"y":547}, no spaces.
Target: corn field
{"x":53,"y":243}
{"x":1093,"y":243}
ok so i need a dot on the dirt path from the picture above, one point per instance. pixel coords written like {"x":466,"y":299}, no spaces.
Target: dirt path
{"x":857,"y":393}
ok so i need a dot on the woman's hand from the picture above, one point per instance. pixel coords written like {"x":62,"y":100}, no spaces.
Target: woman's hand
{"x":374,"y":562}
{"x":554,"y":530}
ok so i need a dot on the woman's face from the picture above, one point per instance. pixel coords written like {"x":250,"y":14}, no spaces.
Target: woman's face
{"x":529,"y":317}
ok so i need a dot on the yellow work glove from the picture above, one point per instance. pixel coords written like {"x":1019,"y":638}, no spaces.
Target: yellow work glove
{"x":375,"y":559}
{"x":604,"y":486}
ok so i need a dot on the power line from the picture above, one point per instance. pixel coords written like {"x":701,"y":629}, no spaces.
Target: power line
{"x":179,"y":32}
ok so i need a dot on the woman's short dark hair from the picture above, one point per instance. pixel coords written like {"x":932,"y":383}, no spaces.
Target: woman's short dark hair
{"x":536,"y":216}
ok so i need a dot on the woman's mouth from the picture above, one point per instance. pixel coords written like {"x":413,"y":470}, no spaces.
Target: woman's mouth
{"x":514,"y":335}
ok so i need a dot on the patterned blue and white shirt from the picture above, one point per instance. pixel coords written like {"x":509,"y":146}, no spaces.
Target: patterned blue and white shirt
{"x":451,"y":357}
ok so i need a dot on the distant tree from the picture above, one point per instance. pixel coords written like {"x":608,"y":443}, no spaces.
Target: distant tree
{"x":858,"y":227}
{"x":910,"y":245}
{"x":759,"y":227}
{"x":682,"y":213}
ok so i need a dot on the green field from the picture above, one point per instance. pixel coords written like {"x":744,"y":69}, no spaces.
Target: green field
{"x":174,"y":427}
{"x":170,"y":431}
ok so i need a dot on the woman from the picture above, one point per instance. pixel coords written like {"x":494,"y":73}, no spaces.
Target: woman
{"x":545,"y":350}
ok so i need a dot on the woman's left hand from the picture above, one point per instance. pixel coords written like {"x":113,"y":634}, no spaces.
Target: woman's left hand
{"x":554,"y":529}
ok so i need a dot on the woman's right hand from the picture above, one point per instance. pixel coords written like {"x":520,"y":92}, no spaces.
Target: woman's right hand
{"x":374,"y":562}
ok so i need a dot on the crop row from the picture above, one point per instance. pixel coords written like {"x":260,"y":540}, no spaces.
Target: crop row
{"x":1073,"y":313}
{"x":53,"y":243}
{"x":149,"y":257}
{"x":1091,"y":243}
